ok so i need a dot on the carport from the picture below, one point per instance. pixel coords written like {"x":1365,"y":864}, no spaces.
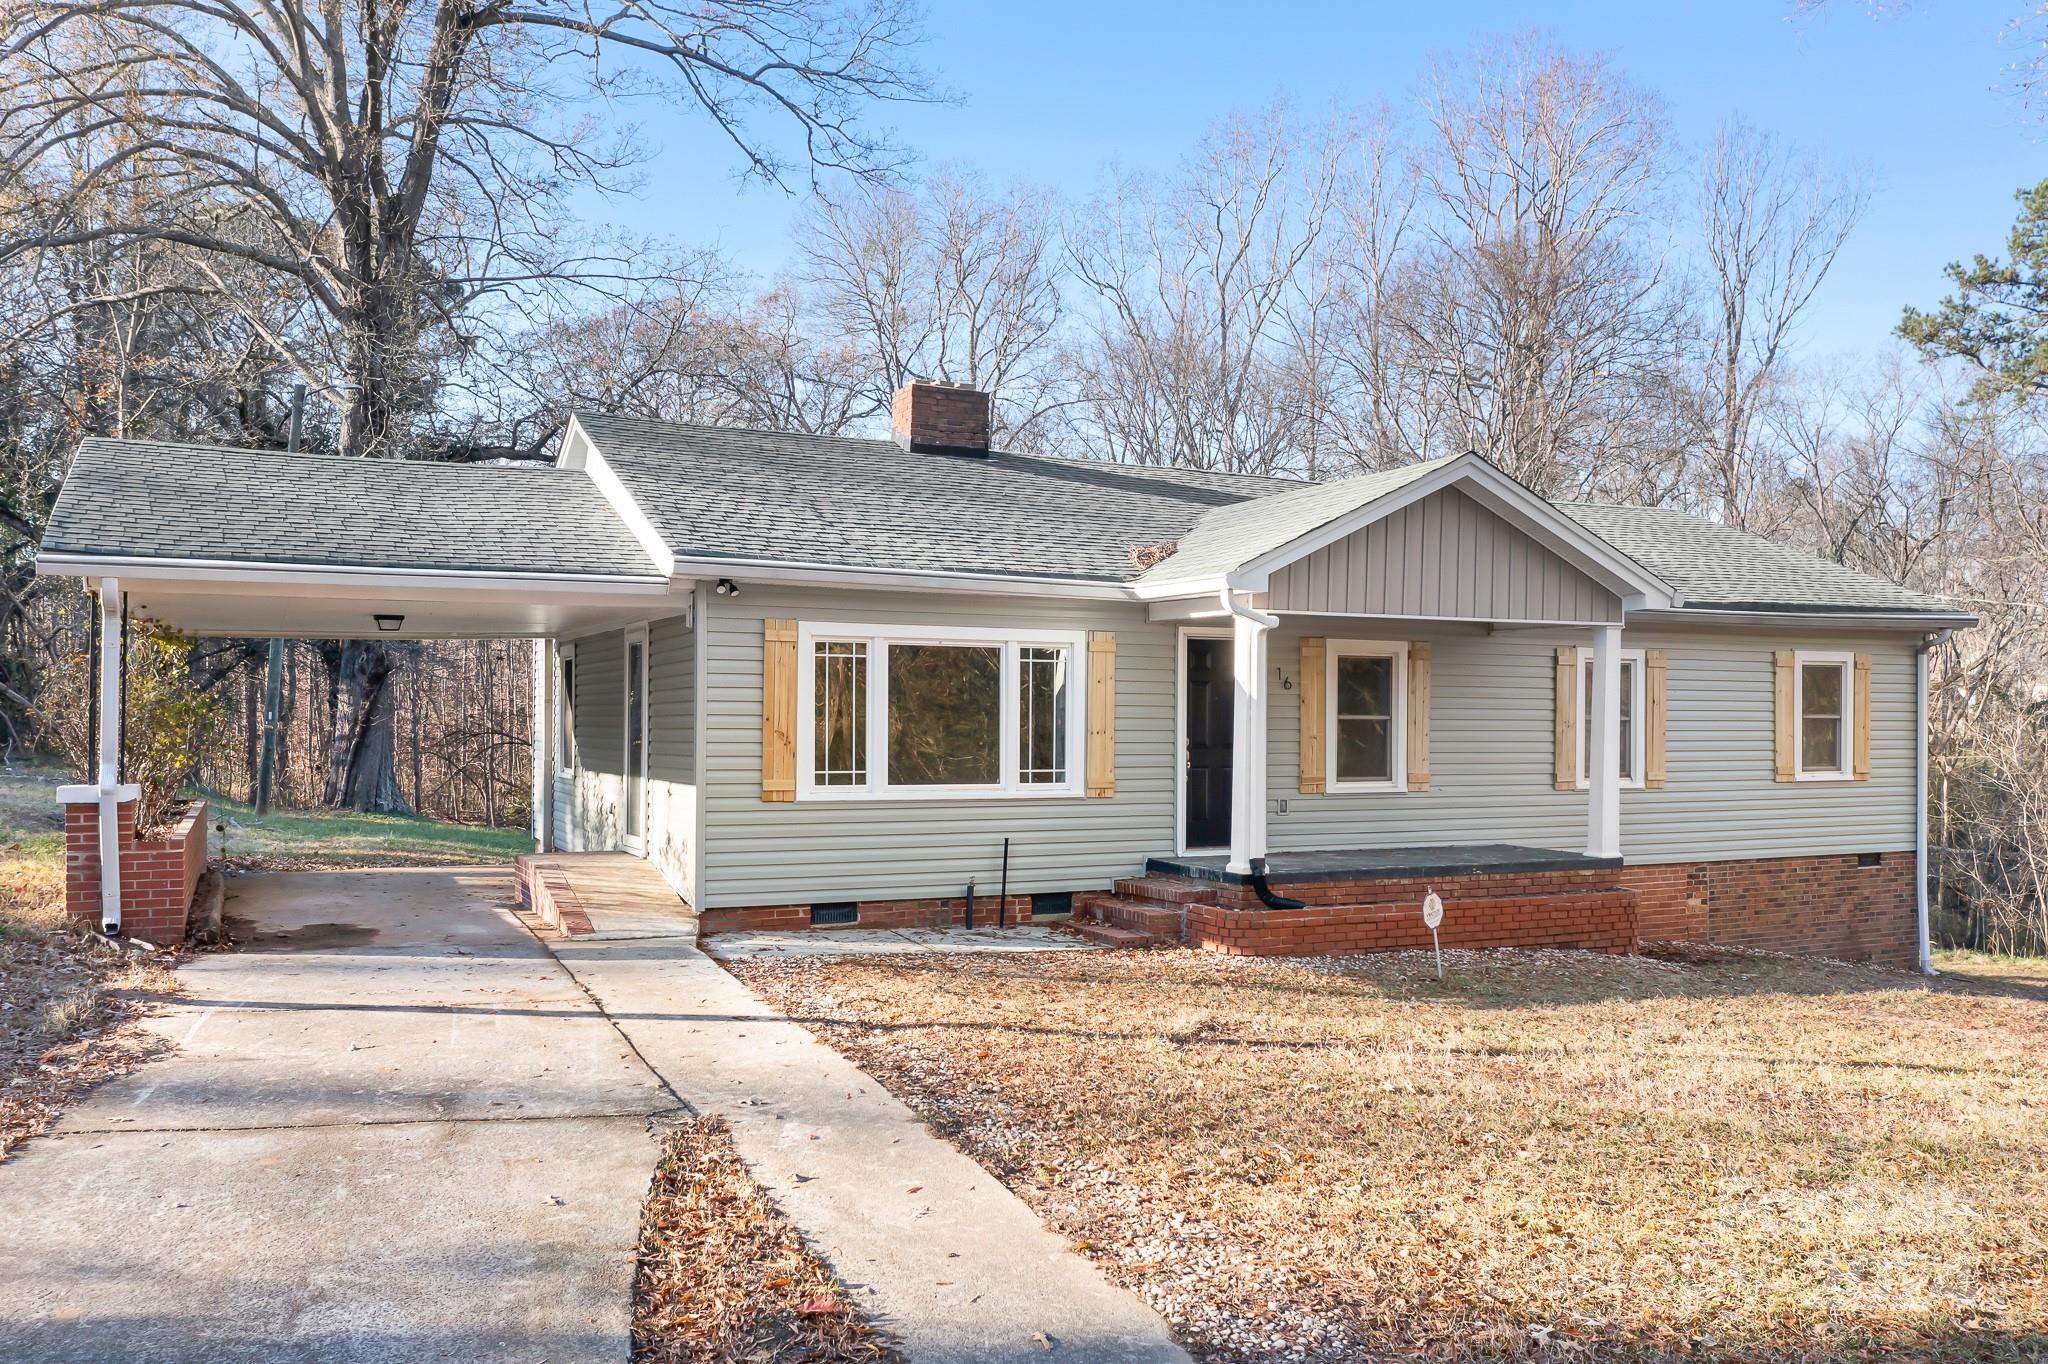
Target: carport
{"x":216,"y":541}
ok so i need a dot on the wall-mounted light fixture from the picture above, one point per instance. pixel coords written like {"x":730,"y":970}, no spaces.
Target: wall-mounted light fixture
{"x":389,"y":624}
{"x":727,"y":588}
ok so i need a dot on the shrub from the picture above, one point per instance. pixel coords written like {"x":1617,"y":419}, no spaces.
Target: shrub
{"x":170,"y":720}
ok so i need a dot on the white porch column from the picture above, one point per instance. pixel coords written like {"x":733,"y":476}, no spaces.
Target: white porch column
{"x":1248,"y":738}
{"x":110,"y":755}
{"x":543,"y":741}
{"x":1603,"y":747}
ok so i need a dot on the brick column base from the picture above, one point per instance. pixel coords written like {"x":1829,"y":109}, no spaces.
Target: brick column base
{"x":158,"y":875}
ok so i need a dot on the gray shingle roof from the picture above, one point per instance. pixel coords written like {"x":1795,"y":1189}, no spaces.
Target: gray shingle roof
{"x":149,"y":498}
{"x":1717,"y":566}
{"x":1224,"y":539}
{"x":713,"y":492}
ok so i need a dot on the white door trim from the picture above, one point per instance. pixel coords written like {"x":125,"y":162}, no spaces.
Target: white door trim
{"x":1180,"y":733}
{"x":634,"y":634}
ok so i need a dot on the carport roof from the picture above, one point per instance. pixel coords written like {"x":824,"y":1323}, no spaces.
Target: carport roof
{"x":128,"y":499}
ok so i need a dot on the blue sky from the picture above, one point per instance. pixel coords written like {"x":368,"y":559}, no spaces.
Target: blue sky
{"x":1052,"y":93}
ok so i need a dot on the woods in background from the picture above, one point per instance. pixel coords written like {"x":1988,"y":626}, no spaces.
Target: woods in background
{"x":1520,"y":259}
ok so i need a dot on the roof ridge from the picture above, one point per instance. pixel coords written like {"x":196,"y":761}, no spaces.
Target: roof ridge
{"x":310,"y":456}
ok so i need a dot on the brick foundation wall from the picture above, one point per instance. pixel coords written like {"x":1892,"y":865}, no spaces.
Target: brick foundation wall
{"x":158,"y":875}
{"x":1594,"y":917}
{"x":1367,"y":890}
{"x":1819,"y":906}
{"x":948,"y":913}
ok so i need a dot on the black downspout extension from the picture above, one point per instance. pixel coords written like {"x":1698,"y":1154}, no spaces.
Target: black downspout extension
{"x":1003,"y":900}
{"x":1265,"y":888}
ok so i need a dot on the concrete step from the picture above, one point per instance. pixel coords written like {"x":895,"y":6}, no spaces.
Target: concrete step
{"x":1140,"y":916}
{"x":1110,"y":936}
{"x":1166,"y":890}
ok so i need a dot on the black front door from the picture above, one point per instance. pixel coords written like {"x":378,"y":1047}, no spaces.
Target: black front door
{"x":1209,"y":722}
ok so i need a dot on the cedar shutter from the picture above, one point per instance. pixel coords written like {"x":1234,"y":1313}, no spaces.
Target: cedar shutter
{"x":778,"y":710}
{"x":1862,"y":718}
{"x":1101,"y":713}
{"x":1418,"y":715}
{"x":1566,"y":777}
{"x":1786,"y":679}
{"x":1315,"y":746}
{"x":1653,"y":719}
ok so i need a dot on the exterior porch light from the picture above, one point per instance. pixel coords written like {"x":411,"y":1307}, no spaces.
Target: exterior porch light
{"x":389,"y":624}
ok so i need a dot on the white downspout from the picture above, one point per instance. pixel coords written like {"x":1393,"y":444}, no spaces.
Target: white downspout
{"x":1921,"y":909}
{"x":1248,"y":732}
{"x":110,"y":756}
{"x":543,"y":729}
{"x":1603,"y":747}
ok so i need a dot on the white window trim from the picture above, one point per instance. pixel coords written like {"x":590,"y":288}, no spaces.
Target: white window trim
{"x":1397,"y":723}
{"x":1844,"y":750}
{"x":1637,"y":692}
{"x":878,"y":638}
{"x":565,"y":739}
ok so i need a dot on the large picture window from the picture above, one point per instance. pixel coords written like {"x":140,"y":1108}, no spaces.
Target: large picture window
{"x":1631,"y":709}
{"x":1822,"y":701}
{"x":1368,"y":700}
{"x":909,"y":712}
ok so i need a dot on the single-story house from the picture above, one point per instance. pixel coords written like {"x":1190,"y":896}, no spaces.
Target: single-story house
{"x":823,"y":680}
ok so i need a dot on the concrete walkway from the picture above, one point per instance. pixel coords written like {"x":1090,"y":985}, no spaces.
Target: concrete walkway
{"x":394,"y":1130}
{"x":938,"y":1251}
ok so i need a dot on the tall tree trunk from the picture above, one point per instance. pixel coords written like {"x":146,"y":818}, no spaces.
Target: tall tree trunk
{"x":362,"y":770}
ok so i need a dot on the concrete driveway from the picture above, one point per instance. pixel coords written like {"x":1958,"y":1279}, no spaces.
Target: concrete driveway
{"x":395,"y":1129}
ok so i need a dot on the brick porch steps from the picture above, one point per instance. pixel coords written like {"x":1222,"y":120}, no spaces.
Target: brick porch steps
{"x":1166,"y":890}
{"x":1108,"y":935}
{"x":1139,"y":916}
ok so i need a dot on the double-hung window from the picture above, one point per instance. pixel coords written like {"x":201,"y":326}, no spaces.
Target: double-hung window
{"x":908,"y":712}
{"x":1822,"y":701}
{"x":1367,"y":693}
{"x":1631,"y":709}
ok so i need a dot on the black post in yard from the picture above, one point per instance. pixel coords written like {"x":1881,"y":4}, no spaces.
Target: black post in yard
{"x":1003,"y":902}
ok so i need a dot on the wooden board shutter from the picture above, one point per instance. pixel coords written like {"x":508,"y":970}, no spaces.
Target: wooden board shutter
{"x":1653,"y":719}
{"x":1315,"y":746}
{"x":1418,"y":716}
{"x":1566,"y":777}
{"x":778,"y":710}
{"x":1101,"y":713}
{"x":1785,"y":680}
{"x":1862,"y":717}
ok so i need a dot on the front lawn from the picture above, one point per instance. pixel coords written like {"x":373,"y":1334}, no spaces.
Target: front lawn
{"x":1551,"y":1155}
{"x":318,"y":840}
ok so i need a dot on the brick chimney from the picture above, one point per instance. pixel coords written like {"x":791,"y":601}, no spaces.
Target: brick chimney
{"x":940,"y":418}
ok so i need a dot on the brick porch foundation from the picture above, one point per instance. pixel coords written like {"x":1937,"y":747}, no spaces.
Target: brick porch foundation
{"x":158,"y":875}
{"x":1849,"y":907}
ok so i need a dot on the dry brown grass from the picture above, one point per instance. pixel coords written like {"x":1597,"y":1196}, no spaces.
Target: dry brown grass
{"x":724,"y":1278}
{"x":69,"y":1005}
{"x":1551,"y":1155}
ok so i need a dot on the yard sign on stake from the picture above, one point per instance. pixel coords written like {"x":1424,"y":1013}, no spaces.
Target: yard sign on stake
{"x":1433,"y":915}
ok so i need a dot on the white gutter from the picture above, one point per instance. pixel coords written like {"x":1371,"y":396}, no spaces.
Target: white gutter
{"x":1837,"y":620}
{"x":1232,"y":606}
{"x":157,"y":566}
{"x":110,"y":757}
{"x":1927,"y":646}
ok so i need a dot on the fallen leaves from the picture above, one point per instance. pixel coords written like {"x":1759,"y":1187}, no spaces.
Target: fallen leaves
{"x":723,"y":1278}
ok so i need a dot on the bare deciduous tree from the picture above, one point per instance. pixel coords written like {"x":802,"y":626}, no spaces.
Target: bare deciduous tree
{"x":1771,"y":224}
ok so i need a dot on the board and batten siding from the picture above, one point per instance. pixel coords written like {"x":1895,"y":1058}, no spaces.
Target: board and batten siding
{"x":798,"y":852}
{"x":1491,"y":752}
{"x":1444,"y":557}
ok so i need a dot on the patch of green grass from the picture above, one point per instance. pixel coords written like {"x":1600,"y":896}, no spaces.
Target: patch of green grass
{"x":341,"y":835}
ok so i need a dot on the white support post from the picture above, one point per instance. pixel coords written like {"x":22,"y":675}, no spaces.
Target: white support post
{"x":1248,"y":738}
{"x":110,"y":756}
{"x":1603,"y":747}
{"x":543,"y":729}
